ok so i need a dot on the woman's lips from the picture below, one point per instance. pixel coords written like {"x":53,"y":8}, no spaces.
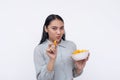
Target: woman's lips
{"x":58,"y":37}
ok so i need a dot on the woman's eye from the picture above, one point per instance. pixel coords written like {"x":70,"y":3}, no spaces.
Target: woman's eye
{"x":62,"y":28}
{"x":54,"y":28}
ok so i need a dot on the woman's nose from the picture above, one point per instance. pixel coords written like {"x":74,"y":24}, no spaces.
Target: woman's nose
{"x":58,"y":31}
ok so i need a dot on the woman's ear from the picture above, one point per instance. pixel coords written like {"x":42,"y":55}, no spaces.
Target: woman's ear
{"x":46,"y":30}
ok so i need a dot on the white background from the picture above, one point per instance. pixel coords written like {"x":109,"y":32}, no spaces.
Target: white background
{"x":91,"y":24}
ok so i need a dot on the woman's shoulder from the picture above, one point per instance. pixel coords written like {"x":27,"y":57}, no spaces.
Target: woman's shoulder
{"x":40,"y":46}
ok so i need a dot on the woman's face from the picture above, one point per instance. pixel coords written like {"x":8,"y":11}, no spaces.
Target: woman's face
{"x":55,"y":30}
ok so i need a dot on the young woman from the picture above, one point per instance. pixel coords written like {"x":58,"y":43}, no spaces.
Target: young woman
{"x":54,"y":62}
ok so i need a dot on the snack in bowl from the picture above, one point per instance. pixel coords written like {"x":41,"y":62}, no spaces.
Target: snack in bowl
{"x":80,"y":54}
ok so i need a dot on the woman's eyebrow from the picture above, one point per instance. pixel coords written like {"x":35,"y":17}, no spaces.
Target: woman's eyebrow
{"x":57,"y":27}
{"x":62,"y":26}
{"x":54,"y":26}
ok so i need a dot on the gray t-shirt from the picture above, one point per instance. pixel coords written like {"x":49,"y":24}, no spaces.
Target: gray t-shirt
{"x":64,"y":68}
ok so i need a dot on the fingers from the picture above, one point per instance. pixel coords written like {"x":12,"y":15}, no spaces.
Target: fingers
{"x":81,"y":61}
{"x":51,"y":48}
{"x":80,"y":64}
{"x":88,"y":57}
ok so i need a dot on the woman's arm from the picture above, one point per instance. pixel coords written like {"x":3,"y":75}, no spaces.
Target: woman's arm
{"x":44,"y":71}
{"x":50,"y":65}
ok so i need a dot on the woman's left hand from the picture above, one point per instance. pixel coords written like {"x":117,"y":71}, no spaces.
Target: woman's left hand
{"x":81,"y":64}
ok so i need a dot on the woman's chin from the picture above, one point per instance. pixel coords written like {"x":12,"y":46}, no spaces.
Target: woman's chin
{"x":58,"y":40}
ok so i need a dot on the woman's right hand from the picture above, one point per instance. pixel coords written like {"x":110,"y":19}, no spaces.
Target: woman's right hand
{"x":52,"y":51}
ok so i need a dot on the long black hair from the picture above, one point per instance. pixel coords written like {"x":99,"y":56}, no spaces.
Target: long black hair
{"x":47,"y":22}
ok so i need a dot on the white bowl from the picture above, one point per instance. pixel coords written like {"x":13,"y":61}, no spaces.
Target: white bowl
{"x":80,"y":56}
